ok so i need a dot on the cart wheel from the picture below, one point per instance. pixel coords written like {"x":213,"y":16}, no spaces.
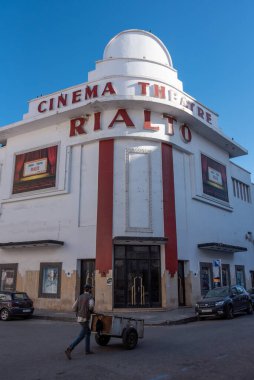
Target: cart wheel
{"x":102,"y":340}
{"x":130,"y":338}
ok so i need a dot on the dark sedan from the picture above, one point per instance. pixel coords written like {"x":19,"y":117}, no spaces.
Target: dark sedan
{"x":224,"y":302}
{"x":15,"y":304}
{"x":251,"y":292}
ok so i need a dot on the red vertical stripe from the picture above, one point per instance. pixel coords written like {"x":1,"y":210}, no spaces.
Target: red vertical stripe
{"x":169,"y":208}
{"x":105,"y":207}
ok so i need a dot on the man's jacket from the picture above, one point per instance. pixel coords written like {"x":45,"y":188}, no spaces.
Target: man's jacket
{"x":83,"y":307}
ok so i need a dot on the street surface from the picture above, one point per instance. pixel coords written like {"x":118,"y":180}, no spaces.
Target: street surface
{"x":208,"y":350}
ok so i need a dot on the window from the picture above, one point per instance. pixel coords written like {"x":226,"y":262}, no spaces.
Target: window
{"x":225,"y":275}
{"x":50,"y":280}
{"x":239,"y":289}
{"x":240,"y":275}
{"x":8,"y":276}
{"x":241,"y":190}
{"x":205,"y":277}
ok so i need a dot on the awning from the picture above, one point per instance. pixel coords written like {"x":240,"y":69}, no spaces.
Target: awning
{"x":139,"y":240}
{"x":221,"y":247}
{"x":31,"y":244}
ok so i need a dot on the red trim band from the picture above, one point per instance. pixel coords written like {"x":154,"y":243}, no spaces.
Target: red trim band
{"x":169,"y":209}
{"x":105,"y":207}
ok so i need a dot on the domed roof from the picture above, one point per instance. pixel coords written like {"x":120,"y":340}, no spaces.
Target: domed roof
{"x":138,"y":44}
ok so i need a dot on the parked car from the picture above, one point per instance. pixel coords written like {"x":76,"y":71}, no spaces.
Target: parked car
{"x":251,"y":292}
{"x":224,"y":301}
{"x":13,"y":304}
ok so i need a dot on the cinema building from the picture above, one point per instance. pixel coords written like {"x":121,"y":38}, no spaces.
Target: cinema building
{"x":125,"y":182}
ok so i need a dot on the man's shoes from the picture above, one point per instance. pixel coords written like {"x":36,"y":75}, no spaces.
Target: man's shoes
{"x":68,"y":353}
{"x":89,"y":352}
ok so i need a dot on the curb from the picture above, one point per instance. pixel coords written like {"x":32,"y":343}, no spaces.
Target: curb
{"x":53,"y":318}
{"x":146,"y":323}
{"x":180,"y":321}
{"x":172,"y":323}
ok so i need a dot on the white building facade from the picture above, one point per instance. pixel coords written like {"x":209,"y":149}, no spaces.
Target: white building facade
{"x":125,"y":182}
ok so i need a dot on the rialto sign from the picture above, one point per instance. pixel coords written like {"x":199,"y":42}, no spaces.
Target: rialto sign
{"x":122,"y":116}
{"x":86,"y":93}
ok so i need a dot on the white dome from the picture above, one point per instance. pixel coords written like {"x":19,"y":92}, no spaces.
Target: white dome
{"x":138,"y":44}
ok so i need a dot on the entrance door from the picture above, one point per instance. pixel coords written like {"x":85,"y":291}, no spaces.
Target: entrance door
{"x":181,"y":284}
{"x":205,"y":277}
{"x":138,"y":282}
{"x":137,"y":276}
{"x":87,"y":274}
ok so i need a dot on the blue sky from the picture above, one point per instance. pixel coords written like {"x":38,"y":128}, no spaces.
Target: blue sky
{"x":48,"y":45}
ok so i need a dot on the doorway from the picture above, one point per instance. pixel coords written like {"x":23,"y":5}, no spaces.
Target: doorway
{"x":87,"y":274}
{"x":137,"y":276}
{"x":181,"y":283}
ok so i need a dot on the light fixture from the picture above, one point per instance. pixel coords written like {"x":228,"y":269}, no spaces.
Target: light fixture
{"x":248,"y":236}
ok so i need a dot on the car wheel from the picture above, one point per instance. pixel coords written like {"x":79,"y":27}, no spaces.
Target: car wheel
{"x":229,"y":312}
{"x":4,"y":315}
{"x":250,"y":308}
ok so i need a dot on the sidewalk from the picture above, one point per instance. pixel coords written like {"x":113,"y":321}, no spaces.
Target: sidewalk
{"x":151,"y":318}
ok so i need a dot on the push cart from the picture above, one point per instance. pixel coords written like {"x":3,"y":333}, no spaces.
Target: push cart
{"x":107,"y":326}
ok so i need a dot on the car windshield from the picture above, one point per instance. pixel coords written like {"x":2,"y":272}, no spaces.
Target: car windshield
{"x":217,"y":292}
{"x":20,"y":296}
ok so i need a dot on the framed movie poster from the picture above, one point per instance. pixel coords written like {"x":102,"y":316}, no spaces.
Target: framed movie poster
{"x":35,"y":170}
{"x":50,"y":280}
{"x":214,"y":178}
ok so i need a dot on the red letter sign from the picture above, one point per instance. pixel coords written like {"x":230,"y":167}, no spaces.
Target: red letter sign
{"x":186,"y":133}
{"x":147,"y":123}
{"x":91,"y":93}
{"x":143,"y":87}
{"x":108,"y":88}
{"x":76,"y":96}
{"x":159,"y":91}
{"x":170,"y":126}
{"x":40,"y":106}
{"x":76,"y":126}
{"x":125,"y":119}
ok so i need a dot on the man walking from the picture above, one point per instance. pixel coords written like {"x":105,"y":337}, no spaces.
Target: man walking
{"x":83,"y":307}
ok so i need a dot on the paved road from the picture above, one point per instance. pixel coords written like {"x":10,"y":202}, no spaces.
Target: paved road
{"x":214,"y":349}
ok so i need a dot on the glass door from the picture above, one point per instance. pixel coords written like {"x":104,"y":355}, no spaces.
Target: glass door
{"x":205,"y":277}
{"x":138,"y":283}
{"x":137,"y":276}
